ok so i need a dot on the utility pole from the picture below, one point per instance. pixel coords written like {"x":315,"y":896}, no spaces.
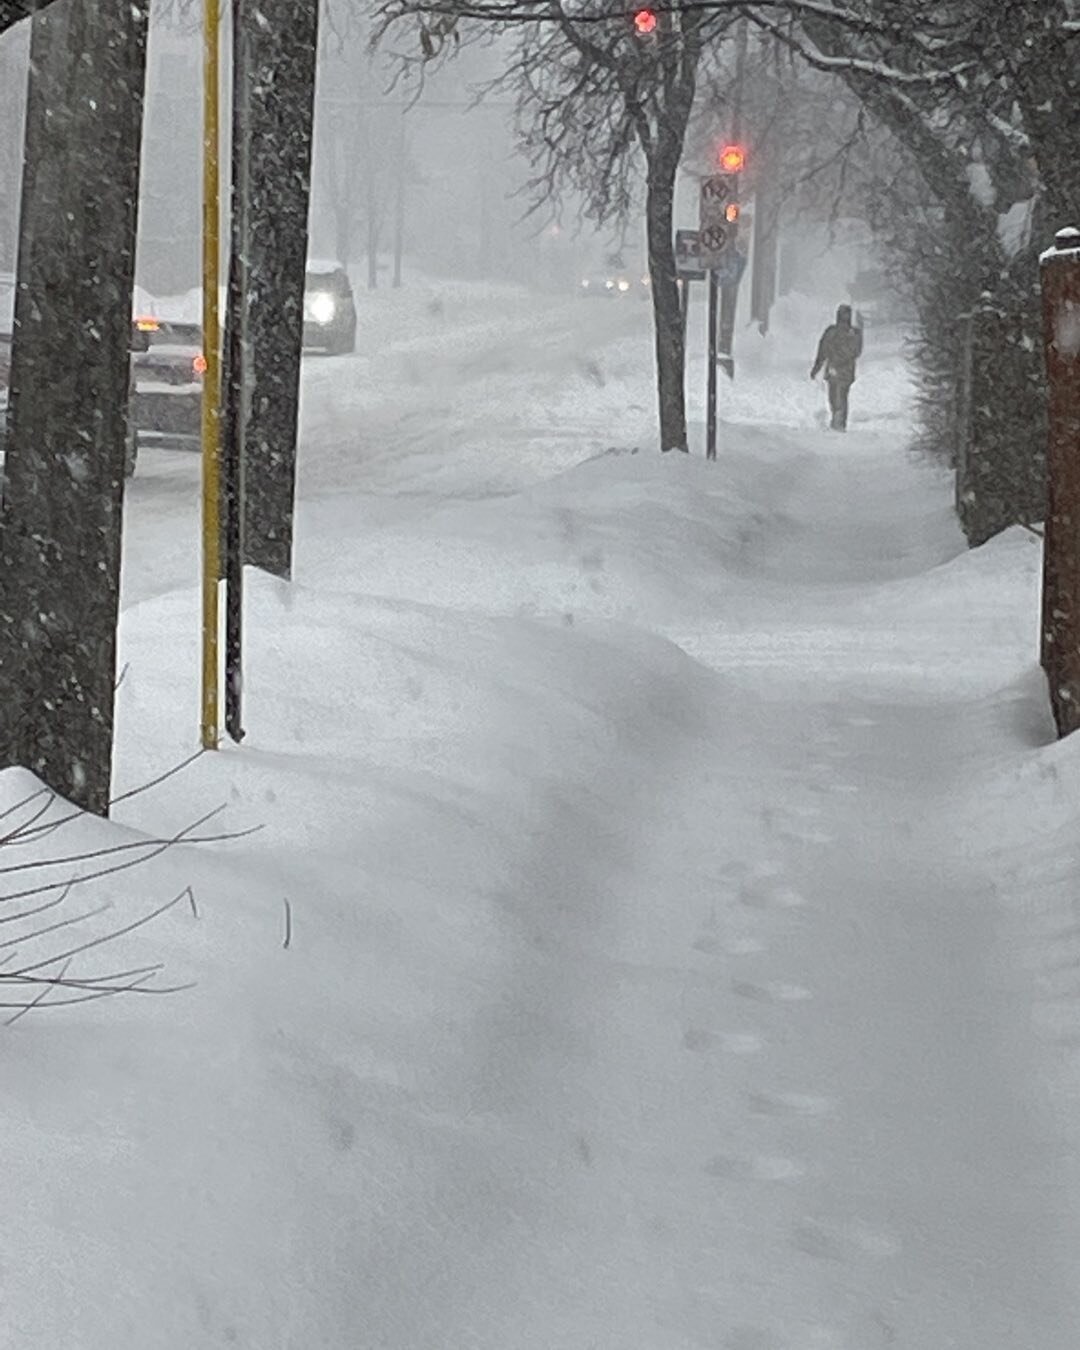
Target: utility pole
{"x":713,"y":360}
{"x":61,"y":518}
{"x":211,"y":387}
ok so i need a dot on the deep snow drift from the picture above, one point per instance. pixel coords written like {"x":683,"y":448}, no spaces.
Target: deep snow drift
{"x":681,"y":927}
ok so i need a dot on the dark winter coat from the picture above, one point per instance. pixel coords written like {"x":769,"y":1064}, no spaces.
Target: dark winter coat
{"x":840,"y":347}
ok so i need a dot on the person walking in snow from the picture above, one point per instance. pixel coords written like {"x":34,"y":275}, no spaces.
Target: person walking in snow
{"x":840,"y":347}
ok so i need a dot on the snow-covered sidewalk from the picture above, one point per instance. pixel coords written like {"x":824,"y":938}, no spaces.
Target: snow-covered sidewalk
{"x":682,"y":947}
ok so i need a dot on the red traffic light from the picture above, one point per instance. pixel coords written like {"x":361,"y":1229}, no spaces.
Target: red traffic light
{"x":644,"y":22}
{"x":732,"y":158}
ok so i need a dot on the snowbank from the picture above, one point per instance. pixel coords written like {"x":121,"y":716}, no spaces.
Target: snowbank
{"x":645,"y":939}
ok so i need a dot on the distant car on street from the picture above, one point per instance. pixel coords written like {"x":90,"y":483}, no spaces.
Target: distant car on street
{"x":613,"y":284}
{"x":167,"y":368}
{"x":329,"y":309}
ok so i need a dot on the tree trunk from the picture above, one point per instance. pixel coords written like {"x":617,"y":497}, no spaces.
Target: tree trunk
{"x":1040,"y":55}
{"x":14,"y":11}
{"x":667,"y":312}
{"x":60,"y":526}
{"x":767,"y":202}
{"x":399,"y":197}
{"x":283,"y":45}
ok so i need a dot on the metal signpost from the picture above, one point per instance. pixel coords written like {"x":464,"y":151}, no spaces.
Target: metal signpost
{"x":236,"y":386}
{"x":211,"y":429}
{"x":717,"y":231}
{"x":1060,"y":276}
{"x":688,"y":269}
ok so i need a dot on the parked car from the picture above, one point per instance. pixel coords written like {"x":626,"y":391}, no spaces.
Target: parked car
{"x":329,"y":309}
{"x":167,"y":369}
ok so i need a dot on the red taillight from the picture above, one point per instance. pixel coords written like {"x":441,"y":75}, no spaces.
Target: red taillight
{"x":199,"y":364}
{"x":147,"y":325}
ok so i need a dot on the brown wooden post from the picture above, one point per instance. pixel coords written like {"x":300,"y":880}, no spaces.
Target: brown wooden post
{"x":1060,"y":277}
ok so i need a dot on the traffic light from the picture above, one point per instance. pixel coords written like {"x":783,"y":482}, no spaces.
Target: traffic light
{"x":644,"y":22}
{"x":732,"y":158}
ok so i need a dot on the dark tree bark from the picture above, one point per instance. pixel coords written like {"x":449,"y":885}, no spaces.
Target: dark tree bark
{"x":667,"y":309}
{"x":1042,"y":60}
{"x":60,"y":522}
{"x":662,"y":143}
{"x":14,"y":11}
{"x":284,"y":44}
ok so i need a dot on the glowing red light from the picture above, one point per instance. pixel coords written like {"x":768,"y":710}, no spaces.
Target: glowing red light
{"x":199,"y":364}
{"x":645,"y":22}
{"x":731,"y":212}
{"x":732,"y":158}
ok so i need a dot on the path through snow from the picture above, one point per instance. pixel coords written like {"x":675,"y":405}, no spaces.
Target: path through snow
{"x":682,"y":886}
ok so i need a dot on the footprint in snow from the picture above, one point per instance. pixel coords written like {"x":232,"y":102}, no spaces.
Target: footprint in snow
{"x":767,"y":893}
{"x":744,"y":946}
{"x":790,"y":1104}
{"x":741,"y":1043}
{"x":763,"y":1167}
{"x":775,"y":991}
{"x":740,"y":945}
{"x":697,"y":1040}
{"x":828,"y":1241}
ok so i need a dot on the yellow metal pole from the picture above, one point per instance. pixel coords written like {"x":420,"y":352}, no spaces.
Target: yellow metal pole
{"x":211,"y":404}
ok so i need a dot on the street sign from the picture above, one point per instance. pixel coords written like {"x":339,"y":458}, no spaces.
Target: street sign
{"x":716,"y":192}
{"x":688,"y":256}
{"x":717,"y":233}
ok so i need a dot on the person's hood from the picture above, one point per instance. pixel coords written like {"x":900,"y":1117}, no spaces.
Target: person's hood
{"x":843,"y":315}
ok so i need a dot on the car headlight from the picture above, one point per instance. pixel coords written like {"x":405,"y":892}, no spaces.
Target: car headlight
{"x":323,"y":307}
{"x":623,"y":284}
{"x":609,"y":285}
{"x":585,"y":284}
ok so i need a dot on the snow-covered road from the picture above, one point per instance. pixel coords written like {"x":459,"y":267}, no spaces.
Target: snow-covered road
{"x":452,"y":390}
{"x":684,"y":927}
